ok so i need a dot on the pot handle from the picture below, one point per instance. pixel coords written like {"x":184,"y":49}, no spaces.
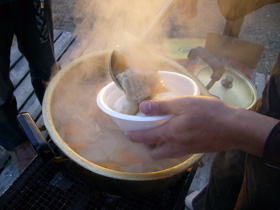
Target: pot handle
{"x":35,"y":136}
{"x":217,"y":67}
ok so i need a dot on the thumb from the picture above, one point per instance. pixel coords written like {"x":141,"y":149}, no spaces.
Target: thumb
{"x":159,"y":107}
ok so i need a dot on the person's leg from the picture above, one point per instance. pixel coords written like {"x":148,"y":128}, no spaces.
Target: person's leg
{"x":224,"y":183}
{"x":12,"y":138}
{"x":10,"y":133}
{"x":260,"y":188}
{"x":261,"y":185}
{"x":35,"y":39}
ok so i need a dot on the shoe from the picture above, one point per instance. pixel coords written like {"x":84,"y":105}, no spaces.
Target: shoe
{"x":24,"y":154}
{"x":189,"y":199}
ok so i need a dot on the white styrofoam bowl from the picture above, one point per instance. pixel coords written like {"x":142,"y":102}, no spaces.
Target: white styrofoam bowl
{"x":110,"y":93}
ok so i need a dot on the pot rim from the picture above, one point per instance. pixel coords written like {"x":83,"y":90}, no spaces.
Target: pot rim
{"x":63,"y":146}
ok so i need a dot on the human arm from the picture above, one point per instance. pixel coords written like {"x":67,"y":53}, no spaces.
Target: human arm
{"x":202,"y":124}
{"x":235,"y":9}
{"x":230,"y":9}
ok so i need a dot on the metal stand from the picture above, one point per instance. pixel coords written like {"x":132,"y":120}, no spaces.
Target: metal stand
{"x":233,"y":28}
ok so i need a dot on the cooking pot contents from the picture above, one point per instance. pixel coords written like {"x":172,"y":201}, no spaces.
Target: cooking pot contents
{"x":92,"y":134}
{"x":171,"y":89}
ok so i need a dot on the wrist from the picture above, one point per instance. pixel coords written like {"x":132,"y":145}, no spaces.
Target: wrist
{"x":250,"y":130}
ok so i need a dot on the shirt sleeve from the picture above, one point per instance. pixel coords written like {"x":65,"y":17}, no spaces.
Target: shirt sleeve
{"x":271,"y":152}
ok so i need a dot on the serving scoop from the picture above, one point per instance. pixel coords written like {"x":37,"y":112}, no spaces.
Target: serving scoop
{"x":117,"y":65}
{"x":118,"y":62}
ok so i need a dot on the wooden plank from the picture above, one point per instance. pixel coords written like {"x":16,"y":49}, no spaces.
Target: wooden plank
{"x":19,"y":71}
{"x":23,"y":91}
{"x":63,"y":43}
{"x":56,"y":34}
{"x":15,"y":56}
{"x":75,"y":50}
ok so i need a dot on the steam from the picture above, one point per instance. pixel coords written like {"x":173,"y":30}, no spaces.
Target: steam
{"x":106,"y":24}
{"x":108,"y":21}
{"x":87,"y":130}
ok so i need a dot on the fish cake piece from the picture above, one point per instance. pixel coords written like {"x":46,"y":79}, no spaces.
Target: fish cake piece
{"x":135,"y":86}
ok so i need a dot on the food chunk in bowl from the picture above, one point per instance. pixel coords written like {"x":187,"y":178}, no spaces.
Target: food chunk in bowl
{"x":175,"y":85}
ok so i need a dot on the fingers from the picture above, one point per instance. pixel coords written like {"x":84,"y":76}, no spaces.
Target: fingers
{"x":148,"y":137}
{"x":146,"y":107}
{"x":154,"y":108}
{"x":167,"y":150}
{"x":154,"y":140}
{"x":160,"y":151}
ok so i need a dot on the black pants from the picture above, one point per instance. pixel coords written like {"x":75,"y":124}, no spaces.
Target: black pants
{"x":19,"y":18}
{"x":240,"y":181}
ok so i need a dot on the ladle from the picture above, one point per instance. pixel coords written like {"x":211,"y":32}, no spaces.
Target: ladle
{"x":118,"y":62}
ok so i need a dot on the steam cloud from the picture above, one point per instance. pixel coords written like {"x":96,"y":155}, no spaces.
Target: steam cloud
{"x":108,"y":21}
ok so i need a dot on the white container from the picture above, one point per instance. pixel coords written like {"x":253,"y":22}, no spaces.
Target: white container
{"x":178,"y":83}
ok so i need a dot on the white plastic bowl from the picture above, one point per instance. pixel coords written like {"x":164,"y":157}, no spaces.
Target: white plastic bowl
{"x":110,"y":93}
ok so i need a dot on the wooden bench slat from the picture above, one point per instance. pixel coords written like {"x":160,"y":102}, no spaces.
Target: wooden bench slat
{"x":15,"y":56}
{"x":23,"y":91}
{"x":75,"y":50}
{"x":56,"y":34}
{"x":63,"y":43}
{"x":19,"y":71}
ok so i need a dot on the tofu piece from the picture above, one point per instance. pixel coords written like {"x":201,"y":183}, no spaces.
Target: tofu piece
{"x":122,"y":105}
{"x":135,"y":86}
